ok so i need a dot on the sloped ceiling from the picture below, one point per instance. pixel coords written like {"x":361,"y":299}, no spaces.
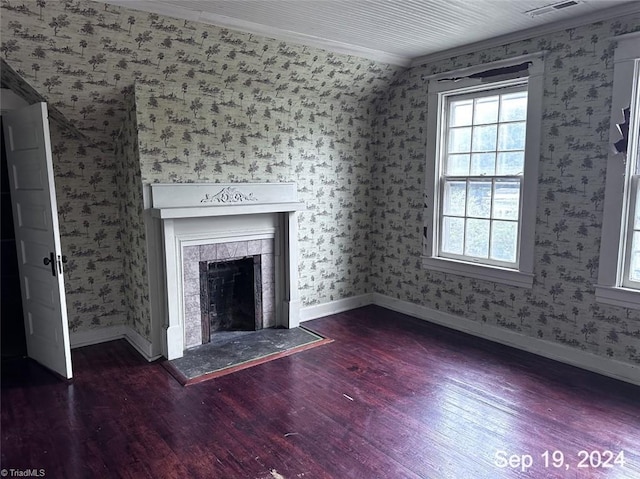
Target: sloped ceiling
{"x":12,"y":81}
{"x":400,"y":32}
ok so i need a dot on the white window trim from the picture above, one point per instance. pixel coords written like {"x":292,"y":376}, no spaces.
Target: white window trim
{"x":632,"y":194}
{"x":609,"y":289}
{"x":523,"y":276}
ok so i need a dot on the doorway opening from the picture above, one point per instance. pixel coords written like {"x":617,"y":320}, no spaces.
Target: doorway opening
{"x":14,"y":342}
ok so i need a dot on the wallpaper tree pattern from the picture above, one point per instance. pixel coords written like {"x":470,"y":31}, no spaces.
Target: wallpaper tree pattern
{"x":561,"y":307}
{"x":216,"y":105}
{"x":132,"y":225}
{"x":211,"y":105}
{"x":93,"y":274}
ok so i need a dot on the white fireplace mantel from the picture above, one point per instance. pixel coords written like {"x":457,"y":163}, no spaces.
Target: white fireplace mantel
{"x":189,"y":200}
{"x":202,"y":213}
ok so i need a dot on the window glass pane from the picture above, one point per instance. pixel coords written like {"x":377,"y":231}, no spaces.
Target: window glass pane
{"x":512,"y":136}
{"x":452,"y":235}
{"x":484,"y":138}
{"x":459,"y":140}
{"x":479,"y":199}
{"x":486,"y":110}
{"x":455,"y":195}
{"x":506,"y":202}
{"x":483,"y":164}
{"x":514,"y":106}
{"x":457,"y":165}
{"x":634,"y":254}
{"x":460,"y":113}
{"x":634,"y":264}
{"x":477,"y":238}
{"x":511,"y":163}
{"x":504,"y":240}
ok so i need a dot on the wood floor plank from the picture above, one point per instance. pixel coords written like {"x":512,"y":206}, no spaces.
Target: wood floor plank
{"x":390,"y":397}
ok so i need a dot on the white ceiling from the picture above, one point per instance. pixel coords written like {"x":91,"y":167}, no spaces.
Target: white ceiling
{"x":394,"y":31}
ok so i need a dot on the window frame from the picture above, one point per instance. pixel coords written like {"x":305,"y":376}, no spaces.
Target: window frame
{"x":447,"y":84}
{"x":613,"y":287}
{"x":497,"y":88}
{"x":631,"y":198}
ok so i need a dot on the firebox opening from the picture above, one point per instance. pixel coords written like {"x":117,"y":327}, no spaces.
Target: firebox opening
{"x":231,"y":296}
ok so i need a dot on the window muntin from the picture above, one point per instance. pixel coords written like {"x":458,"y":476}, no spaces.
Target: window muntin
{"x":631,"y":221}
{"x":632,"y":268}
{"x":482,"y":164}
{"x":470,"y":81}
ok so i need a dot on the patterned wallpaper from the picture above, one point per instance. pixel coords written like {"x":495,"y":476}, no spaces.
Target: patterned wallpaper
{"x":216,"y":105}
{"x":93,"y":275}
{"x":89,"y":231}
{"x":561,"y":306}
{"x":132,"y":227}
{"x":211,"y":105}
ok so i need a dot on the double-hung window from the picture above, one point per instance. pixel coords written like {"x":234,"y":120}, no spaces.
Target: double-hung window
{"x":619,"y":265}
{"x":631,"y":224}
{"x":482,"y":169}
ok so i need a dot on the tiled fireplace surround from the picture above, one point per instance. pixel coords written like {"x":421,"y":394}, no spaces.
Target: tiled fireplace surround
{"x":192,"y":258}
{"x":206,"y":222}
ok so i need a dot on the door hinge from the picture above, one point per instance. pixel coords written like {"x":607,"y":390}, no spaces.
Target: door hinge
{"x":62,"y":259}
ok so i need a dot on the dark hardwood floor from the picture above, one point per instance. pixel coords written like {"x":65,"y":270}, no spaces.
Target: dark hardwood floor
{"x":391,"y":397}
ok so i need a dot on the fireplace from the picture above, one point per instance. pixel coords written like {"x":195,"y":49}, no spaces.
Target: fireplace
{"x":203,"y":228}
{"x":230,"y":296}
{"x":198,"y":263}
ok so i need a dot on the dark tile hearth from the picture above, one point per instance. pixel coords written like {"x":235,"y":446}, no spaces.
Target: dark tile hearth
{"x":230,"y":351}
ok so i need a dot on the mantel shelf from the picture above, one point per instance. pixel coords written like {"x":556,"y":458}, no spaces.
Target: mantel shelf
{"x":225,"y":210}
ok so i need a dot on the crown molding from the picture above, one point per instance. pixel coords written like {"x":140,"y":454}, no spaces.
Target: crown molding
{"x":600,"y":15}
{"x":303,"y":39}
{"x":165,"y":9}
{"x":223,"y":21}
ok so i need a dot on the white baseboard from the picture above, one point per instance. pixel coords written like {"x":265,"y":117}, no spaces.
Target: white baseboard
{"x":333,"y":307}
{"x":96,"y":336}
{"x":558,"y":352}
{"x":608,"y":367}
{"x":112,"y":333}
{"x":142,"y":345}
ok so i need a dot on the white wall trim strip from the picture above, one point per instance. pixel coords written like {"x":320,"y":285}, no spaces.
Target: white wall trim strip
{"x":333,"y":307}
{"x":143,"y":346}
{"x":530,"y":33}
{"x":111,"y":333}
{"x":564,"y":354}
{"x":268,"y":31}
{"x":89,"y":337}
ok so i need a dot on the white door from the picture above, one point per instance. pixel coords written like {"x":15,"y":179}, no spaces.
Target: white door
{"x":35,"y":217}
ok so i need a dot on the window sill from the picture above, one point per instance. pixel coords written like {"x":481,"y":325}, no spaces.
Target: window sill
{"x":616,"y":296}
{"x":478,"y":271}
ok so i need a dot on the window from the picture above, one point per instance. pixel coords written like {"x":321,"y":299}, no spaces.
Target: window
{"x":482,"y":155}
{"x":482,"y":167}
{"x":619,"y":274}
{"x":631,"y":252}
